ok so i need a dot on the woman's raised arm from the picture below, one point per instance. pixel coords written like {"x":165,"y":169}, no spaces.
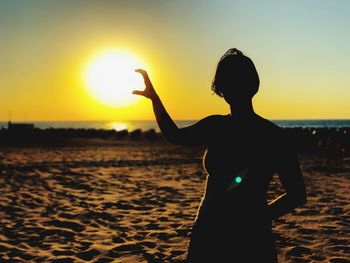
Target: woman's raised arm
{"x":167,"y":126}
{"x":192,"y":135}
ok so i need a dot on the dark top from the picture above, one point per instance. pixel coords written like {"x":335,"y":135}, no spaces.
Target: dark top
{"x":240,"y":160}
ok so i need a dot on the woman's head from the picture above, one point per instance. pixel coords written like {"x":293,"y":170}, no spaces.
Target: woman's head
{"x":236,"y":78}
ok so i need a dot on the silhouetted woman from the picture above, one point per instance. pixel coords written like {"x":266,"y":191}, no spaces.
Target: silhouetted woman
{"x":233,"y":223}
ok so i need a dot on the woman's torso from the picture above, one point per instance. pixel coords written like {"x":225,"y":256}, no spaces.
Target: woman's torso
{"x":240,"y":163}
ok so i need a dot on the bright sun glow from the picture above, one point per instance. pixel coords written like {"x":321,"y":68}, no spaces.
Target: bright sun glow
{"x":111,"y":78}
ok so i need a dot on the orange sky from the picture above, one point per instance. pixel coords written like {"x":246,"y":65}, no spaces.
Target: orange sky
{"x":300,"y":49}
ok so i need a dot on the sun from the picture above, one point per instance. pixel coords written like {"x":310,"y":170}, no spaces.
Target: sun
{"x":110,"y":77}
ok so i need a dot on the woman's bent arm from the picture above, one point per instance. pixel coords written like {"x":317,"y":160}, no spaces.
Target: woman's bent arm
{"x":293,"y":183}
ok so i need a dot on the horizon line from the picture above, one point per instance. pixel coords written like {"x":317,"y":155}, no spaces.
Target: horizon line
{"x":272,"y":119}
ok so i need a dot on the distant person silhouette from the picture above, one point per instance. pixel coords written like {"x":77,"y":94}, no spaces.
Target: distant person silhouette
{"x":243,"y":150}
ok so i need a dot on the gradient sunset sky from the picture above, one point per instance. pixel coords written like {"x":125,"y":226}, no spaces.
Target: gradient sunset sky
{"x":301,"y":49}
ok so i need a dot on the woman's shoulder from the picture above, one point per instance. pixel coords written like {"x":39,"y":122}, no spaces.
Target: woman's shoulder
{"x":281,"y":137}
{"x":213,"y":119}
{"x":211,"y":124}
{"x":272,"y":130}
{"x":270,"y":125}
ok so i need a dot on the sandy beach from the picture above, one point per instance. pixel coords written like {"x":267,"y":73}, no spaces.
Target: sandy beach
{"x":133,"y":201}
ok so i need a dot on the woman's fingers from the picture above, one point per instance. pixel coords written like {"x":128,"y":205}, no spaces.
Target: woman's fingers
{"x":149,"y":91}
{"x":141,"y":71}
{"x":139,"y":92}
{"x":144,"y":75}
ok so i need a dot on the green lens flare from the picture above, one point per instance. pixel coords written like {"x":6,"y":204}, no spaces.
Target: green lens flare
{"x":238,"y":179}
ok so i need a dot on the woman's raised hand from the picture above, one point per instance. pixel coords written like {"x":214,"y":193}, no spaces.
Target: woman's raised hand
{"x":149,"y":91}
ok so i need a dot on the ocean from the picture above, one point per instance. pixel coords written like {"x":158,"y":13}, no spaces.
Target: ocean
{"x":151,"y":124}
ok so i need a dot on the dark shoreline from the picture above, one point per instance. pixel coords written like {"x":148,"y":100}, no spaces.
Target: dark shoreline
{"x":334,"y":142}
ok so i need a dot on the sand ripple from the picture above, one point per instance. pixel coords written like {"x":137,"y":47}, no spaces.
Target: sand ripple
{"x":137,"y":204}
